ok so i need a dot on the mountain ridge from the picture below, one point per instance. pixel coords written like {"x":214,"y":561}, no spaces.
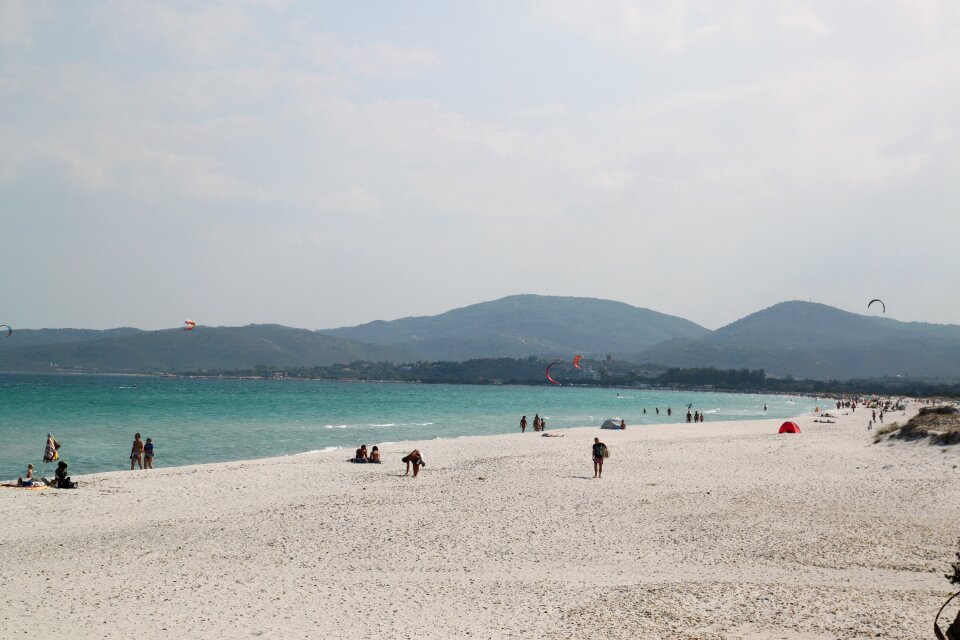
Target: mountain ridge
{"x":524,"y":325}
{"x":812,"y":340}
{"x":791,"y":338}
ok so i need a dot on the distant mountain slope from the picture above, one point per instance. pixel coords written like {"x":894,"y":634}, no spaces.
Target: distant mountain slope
{"x":207,"y":348}
{"x":35,"y":337}
{"x":805,"y":339}
{"x":524,"y":325}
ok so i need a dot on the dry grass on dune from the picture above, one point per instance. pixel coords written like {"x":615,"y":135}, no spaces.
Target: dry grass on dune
{"x":939,"y":425}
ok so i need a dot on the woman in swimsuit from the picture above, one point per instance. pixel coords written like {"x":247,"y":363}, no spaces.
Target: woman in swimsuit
{"x":148,"y":454}
{"x":136,"y":452}
{"x":28,"y":481}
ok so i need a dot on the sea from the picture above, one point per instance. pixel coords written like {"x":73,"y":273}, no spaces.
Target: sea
{"x":195,"y":420}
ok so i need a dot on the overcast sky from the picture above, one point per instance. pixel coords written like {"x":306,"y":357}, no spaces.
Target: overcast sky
{"x":324,"y":164}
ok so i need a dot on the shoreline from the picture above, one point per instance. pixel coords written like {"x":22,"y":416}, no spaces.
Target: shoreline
{"x":103,"y":444}
{"x":722,"y":529}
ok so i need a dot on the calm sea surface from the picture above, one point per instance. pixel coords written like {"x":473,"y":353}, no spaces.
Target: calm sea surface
{"x":196,"y":421}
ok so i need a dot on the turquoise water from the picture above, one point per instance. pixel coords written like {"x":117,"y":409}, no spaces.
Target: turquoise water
{"x":196,"y":421}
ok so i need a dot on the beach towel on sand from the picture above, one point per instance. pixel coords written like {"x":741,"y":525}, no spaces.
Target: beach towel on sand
{"x":14,"y":485}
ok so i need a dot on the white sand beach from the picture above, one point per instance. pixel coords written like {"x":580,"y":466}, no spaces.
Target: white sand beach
{"x":715,"y":530}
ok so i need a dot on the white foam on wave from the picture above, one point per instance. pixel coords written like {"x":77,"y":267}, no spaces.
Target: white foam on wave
{"x":386,"y":424}
{"x":334,"y":426}
{"x":422,"y":424}
{"x":324,"y":450}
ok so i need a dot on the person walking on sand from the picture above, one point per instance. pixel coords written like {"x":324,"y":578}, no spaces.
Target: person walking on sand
{"x":598,"y":450}
{"x":523,"y":424}
{"x":136,"y":452}
{"x":148,"y":454}
{"x":416,"y":460}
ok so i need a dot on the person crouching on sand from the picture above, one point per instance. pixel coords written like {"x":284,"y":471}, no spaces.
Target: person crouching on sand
{"x":598,"y":449}
{"x":136,"y":452}
{"x":416,"y":460}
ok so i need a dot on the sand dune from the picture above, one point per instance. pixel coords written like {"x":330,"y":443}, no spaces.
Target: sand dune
{"x":718,"y":530}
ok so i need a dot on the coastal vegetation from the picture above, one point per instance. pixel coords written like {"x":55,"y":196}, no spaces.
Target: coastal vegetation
{"x":938,"y":425}
{"x":606,"y":373}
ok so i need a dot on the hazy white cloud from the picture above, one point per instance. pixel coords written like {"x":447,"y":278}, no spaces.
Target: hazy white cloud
{"x":800,"y":16}
{"x":410,"y":171}
{"x":19,"y":19}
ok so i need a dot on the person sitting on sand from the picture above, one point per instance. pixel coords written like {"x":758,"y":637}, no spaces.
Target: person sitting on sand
{"x":361,"y":454}
{"x":416,"y":460}
{"x":374,"y":455}
{"x":598,"y":451}
{"x":28,"y":481}
{"x":63,"y":480}
{"x":136,"y":452}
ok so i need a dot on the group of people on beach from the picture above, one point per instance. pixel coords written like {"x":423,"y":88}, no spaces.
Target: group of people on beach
{"x":60,"y":478}
{"x":363,"y":457}
{"x":696,"y":417}
{"x":539,"y":424}
{"x":141,"y":453}
{"x":413,"y":459}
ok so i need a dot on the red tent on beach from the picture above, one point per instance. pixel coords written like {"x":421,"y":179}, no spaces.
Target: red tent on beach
{"x":789,"y":427}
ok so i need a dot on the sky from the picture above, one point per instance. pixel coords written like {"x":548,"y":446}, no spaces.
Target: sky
{"x":322,"y":164}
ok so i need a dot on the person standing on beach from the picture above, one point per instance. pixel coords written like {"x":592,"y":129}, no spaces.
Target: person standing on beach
{"x":536,"y":422}
{"x":689,"y":416}
{"x":523,"y":424}
{"x":543,"y":424}
{"x":669,"y":411}
{"x":148,"y":454}
{"x":136,"y":452}
{"x":598,"y":450}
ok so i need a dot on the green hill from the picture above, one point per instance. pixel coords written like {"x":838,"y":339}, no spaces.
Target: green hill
{"x":805,"y":339}
{"x":35,"y":337}
{"x":524,"y":325}
{"x":204,"y":348}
